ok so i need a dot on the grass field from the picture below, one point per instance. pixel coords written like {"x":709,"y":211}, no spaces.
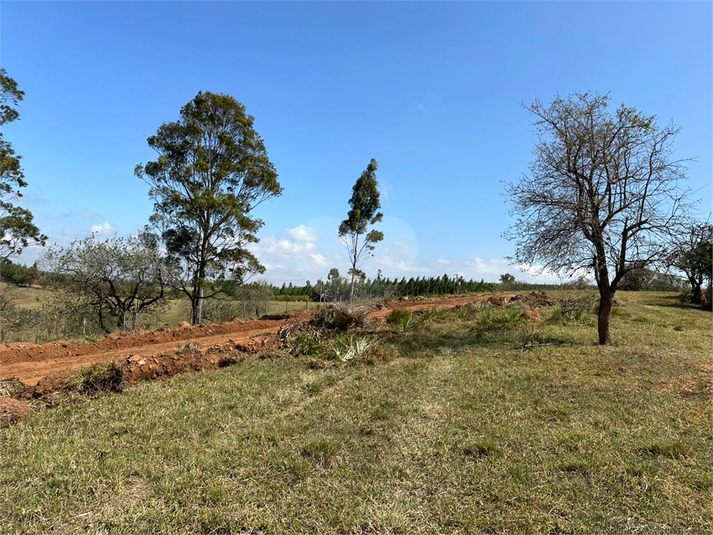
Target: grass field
{"x":172,"y":313}
{"x":465,"y":431}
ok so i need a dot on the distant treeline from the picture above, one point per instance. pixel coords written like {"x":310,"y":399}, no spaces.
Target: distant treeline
{"x":337,"y":288}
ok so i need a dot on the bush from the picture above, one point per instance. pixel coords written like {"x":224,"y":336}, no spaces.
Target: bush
{"x":574,"y":306}
{"x":346,"y":348}
{"x":221,"y":310}
{"x":340,"y":318}
{"x":102,"y":378}
{"x":401,"y":318}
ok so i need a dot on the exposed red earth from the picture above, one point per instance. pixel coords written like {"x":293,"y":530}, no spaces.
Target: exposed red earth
{"x":158,"y":353}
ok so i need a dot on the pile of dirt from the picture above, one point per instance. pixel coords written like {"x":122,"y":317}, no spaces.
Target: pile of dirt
{"x":12,"y":410}
{"x":534,"y":300}
{"x":532,"y":315}
{"x":23,"y":352}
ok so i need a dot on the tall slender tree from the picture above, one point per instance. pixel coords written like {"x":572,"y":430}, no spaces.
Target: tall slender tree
{"x":354,"y":230}
{"x":17,"y":229}
{"x":211,"y":172}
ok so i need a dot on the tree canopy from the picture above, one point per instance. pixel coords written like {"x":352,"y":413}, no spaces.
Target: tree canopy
{"x":602,"y":193}
{"x":211,"y":172}
{"x":692,"y":254}
{"x":364,"y":211}
{"x":17,"y":229}
{"x":117,"y":278}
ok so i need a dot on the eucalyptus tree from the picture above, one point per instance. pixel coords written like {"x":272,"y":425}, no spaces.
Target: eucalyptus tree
{"x":603,"y":193}
{"x":354,"y":230}
{"x":17,"y":229}
{"x":212,"y":171}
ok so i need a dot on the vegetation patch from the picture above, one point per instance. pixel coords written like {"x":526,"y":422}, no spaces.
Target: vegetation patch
{"x":99,"y":379}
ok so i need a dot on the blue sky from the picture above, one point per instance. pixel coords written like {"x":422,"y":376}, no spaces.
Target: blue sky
{"x":433,"y":91}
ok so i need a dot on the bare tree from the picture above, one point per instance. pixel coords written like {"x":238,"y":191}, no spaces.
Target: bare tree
{"x":602,"y":194}
{"x":118,"y":277}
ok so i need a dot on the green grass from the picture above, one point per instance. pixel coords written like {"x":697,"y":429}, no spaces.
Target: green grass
{"x":466,"y":432}
{"x":31,"y":298}
{"x":43,"y":328}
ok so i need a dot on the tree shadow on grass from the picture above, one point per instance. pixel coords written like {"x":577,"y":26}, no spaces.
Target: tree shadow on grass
{"x":504,"y":339}
{"x":674,"y":301}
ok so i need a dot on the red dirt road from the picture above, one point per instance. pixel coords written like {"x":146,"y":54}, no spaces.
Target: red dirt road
{"x":30,"y":363}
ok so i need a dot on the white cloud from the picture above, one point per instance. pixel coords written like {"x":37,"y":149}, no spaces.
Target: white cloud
{"x":303,"y":233}
{"x":103,"y":230}
{"x":491,"y":269}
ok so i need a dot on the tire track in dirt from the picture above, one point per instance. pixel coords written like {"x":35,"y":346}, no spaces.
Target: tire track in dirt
{"x":31,"y":363}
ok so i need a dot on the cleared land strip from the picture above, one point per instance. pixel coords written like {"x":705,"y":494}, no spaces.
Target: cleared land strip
{"x":30,"y":363}
{"x":31,"y":372}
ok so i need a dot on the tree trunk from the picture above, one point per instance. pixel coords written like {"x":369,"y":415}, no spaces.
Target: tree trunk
{"x":696,"y":292}
{"x":197,"y":306}
{"x":354,"y":265}
{"x":606,"y":301}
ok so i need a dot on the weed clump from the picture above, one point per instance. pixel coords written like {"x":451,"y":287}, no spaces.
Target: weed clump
{"x":102,"y":378}
{"x":380,"y":354}
{"x":674,"y":450}
{"x":320,"y":450}
{"x":479,"y":449}
{"x":340,"y":318}
{"x":401,"y":318}
{"x":347,"y":348}
{"x":306,"y":344}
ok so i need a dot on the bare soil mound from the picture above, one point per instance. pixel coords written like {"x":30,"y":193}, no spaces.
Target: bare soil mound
{"x":12,"y":410}
{"x":21,"y":352}
{"x":162,"y":353}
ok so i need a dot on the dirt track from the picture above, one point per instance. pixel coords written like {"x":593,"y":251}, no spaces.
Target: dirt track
{"x":30,"y":363}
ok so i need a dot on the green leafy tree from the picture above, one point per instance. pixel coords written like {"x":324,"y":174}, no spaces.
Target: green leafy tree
{"x":354,"y":230}
{"x":602,"y":193}
{"x":507,"y":278}
{"x":117,"y":278}
{"x":212,"y":171}
{"x":693,"y":255}
{"x":17,"y":229}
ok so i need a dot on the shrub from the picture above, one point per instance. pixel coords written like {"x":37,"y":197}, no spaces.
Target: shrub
{"x":401,"y":318}
{"x":340,"y":318}
{"x":346,"y":348}
{"x":574,"y":306}
{"x":305,"y":344}
{"x":98,"y":379}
